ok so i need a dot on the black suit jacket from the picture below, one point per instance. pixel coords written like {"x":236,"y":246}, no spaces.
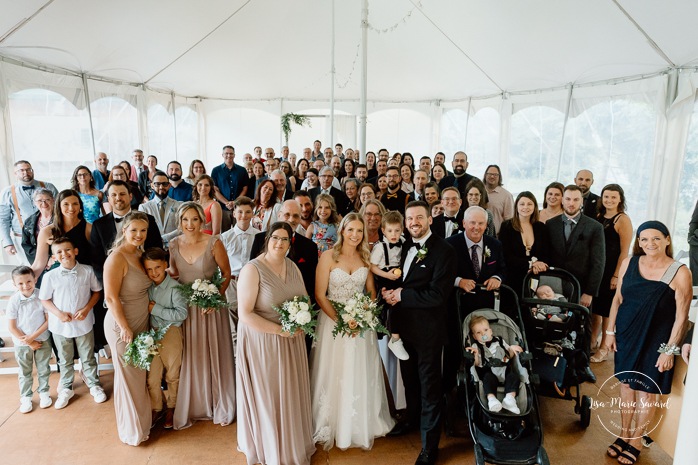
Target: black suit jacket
{"x":340,"y":198}
{"x":590,"y":205}
{"x":438,"y":225}
{"x":461,"y":183}
{"x":426,"y":289}
{"x":103,"y":235}
{"x":303,"y":253}
{"x":493,"y":265}
{"x":583,"y":255}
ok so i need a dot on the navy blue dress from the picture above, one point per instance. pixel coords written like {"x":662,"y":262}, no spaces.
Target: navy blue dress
{"x":644,"y":321}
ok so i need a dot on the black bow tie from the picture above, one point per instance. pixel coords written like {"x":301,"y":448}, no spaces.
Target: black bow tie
{"x":392,"y":246}
{"x":416,"y":245}
{"x":451,"y":219}
{"x":27,"y":188}
{"x":118,"y":220}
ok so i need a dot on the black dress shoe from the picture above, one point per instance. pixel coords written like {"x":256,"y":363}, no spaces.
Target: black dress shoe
{"x":427,"y":457}
{"x":2,"y":342}
{"x":400,"y":429}
{"x":588,"y":375}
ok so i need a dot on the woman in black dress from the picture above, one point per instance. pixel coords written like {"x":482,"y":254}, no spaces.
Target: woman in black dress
{"x":618,"y":232}
{"x":646,"y":325}
{"x":524,"y":239}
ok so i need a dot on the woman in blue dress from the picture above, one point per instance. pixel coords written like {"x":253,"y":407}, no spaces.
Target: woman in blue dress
{"x":84,"y":184}
{"x":646,"y":325}
{"x":323,"y":229}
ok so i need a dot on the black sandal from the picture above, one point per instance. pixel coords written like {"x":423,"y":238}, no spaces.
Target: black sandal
{"x":630,"y":454}
{"x":618,"y":446}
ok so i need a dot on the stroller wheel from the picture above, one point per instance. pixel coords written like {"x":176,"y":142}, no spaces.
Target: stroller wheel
{"x":479,"y":455}
{"x":542,"y":458}
{"x":585,"y":413}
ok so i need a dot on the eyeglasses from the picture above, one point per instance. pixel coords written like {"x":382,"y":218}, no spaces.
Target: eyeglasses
{"x":83,"y":175}
{"x":496,"y":175}
{"x":160,"y":184}
{"x":42,"y":201}
{"x":285,"y":240}
{"x":450,"y":199}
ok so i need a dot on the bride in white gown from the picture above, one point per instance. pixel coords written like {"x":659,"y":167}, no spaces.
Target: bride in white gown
{"x":350,"y":407}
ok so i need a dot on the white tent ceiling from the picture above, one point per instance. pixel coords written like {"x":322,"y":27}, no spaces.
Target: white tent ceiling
{"x":270,"y":49}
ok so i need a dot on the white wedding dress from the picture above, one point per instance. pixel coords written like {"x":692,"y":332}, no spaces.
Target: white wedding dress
{"x":350,"y":407}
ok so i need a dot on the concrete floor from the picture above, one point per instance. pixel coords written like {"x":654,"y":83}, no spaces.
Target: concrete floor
{"x":85,"y":433}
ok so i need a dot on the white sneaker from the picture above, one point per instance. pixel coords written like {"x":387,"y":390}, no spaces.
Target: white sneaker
{"x":105,"y":352}
{"x":63,"y":397}
{"x":98,"y":393}
{"x":398,"y":349}
{"x":509,"y":403}
{"x":493,"y":404}
{"x":25,"y":404}
{"x":45,"y":400}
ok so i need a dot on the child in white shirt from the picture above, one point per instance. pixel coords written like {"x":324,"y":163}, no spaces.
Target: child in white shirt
{"x":29,"y":328}
{"x":69,"y":292}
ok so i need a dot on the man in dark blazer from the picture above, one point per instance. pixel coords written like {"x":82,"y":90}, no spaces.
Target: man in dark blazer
{"x":480,"y":260}
{"x":325,"y":178}
{"x":577,"y":244}
{"x":394,"y":198}
{"x":303,"y":251}
{"x":102,"y":237}
{"x":584,"y":181}
{"x":451,"y":222}
{"x":429,"y":268}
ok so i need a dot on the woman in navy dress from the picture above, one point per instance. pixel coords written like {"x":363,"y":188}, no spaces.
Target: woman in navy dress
{"x":646,"y":325}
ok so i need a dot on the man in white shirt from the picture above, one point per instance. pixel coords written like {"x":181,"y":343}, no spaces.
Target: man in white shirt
{"x":501,"y":202}
{"x":420,"y":179}
{"x":238,"y":244}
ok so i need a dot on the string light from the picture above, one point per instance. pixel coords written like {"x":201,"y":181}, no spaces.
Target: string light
{"x":397,"y":24}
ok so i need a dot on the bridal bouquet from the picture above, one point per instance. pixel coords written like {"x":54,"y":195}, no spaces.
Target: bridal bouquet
{"x":297,"y":313}
{"x":140,"y":352}
{"x":358,"y":315}
{"x":204,"y":293}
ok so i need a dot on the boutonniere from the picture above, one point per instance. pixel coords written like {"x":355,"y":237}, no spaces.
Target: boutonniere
{"x":488,"y":252}
{"x":422,"y":254}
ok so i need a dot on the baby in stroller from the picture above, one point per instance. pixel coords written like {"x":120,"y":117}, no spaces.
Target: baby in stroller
{"x":493,"y":357}
{"x":549,"y":312}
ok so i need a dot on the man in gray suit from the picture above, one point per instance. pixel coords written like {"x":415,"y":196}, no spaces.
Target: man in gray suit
{"x":163,"y":208}
{"x":577,"y":245}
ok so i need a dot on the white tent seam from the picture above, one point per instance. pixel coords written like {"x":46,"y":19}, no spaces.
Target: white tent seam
{"x":651,"y":41}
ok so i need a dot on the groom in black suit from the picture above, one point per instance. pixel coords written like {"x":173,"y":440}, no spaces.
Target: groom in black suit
{"x":429,"y":269}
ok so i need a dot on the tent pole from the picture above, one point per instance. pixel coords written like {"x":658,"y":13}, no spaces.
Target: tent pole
{"x":174,"y":121}
{"x":332,"y":71}
{"x":89,"y":113}
{"x":364,"y":76}
{"x":564,"y":130}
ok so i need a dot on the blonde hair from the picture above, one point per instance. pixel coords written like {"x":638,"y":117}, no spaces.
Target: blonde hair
{"x":185,"y":207}
{"x":128,"y":219}
{"x":364,"y":251}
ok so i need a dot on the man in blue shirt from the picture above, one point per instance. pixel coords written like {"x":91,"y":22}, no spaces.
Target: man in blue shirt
{"x":180,"y":190}
{"x":231,"y":179}
{"x":101,"y":173}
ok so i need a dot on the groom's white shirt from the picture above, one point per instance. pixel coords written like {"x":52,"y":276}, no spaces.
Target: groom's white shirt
{"x":413,"y":252}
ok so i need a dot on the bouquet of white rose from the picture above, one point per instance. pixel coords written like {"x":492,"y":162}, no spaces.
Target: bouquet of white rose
{"x":297,"y":313}
{"x":140,"y":352}
{"x":204,"y":293}
{"x":358,"y":315}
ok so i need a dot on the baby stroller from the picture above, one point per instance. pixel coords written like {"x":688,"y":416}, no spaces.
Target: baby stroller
{"x":501,"y":437}
{"x":557,"y":341}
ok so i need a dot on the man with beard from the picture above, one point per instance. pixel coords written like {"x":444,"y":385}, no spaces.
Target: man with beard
{"x":395,"y":198}
{"x":283,"y":190}
{"x":306,"y":203}
{"x":420,"y":180}
{"x":329,"y":153}
{"x":101,"y":173}
{"x":584,"y":180}
{"x":383,"y":154}
{"x":336,"y":165}
{"x":163,"y":208}
{"x":450,"y":222}
{"x":231,"y":179}
{"x":577,"y":245}
{"x":137,"y":167}
{"x":361,"y":173}
{"x":16,"y":206}
{"x":460,"y":164}
{"x":501,"y":202}
{"x":179,"y":190}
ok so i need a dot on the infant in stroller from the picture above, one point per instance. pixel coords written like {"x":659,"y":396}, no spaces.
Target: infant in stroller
{"x":493,"y":357}
{"x":549,"y":312}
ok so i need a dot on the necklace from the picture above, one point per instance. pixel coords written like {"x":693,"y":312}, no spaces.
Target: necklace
{"x":280,"y":273}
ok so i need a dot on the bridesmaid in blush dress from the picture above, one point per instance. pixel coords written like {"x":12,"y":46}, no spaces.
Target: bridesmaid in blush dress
{"x":207,"y":379}
{"x":275,"y":424}
{"x":126,"y":294}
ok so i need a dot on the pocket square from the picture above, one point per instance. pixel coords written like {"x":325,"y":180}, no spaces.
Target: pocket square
{"x":492,"y":262}
{"x":422,"y":266}
{"x":302,"y":260}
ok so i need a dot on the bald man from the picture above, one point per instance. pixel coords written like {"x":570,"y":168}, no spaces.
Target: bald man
{"x":584,"y":181}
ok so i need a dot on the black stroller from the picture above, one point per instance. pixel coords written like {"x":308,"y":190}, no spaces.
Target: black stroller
{"x":501,"y":437}
{"x":557,"y":338}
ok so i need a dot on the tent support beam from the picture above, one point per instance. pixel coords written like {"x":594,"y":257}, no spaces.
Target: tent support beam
{"x":568,"y":106}
{"x":364,"y":78}
{"x":88,"y":104}
{"x":19,"y":25}
{"x":332,"y":77}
